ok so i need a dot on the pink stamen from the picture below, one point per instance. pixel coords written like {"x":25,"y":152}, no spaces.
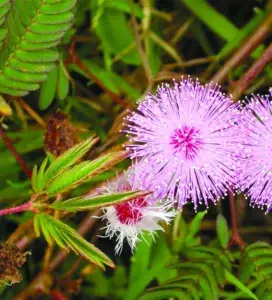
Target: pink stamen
{"x":186,"y":140}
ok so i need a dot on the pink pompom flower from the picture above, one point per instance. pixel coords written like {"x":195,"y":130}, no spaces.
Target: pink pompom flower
{"x":255,"y":172}
{"x":186,"y":139}
{"x":130,"y":220}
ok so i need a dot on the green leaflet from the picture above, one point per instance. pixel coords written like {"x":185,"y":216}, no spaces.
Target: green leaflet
{"x":63,"y":82}
{"x":39,"y":180}
{"x":194,"y":227}
{"x":68,"y":158}
{"x":32,"y":28}
{"x":79,"y":203}
{"x":222,"y":231}
{"x":115,"y":34}
{"x":67,"y":238}
{"x":48,"y":89}
{"x":213,"y":19}
{"x":112,"y":26}
{"x":232,"y":279}
{"x":72,"y":177}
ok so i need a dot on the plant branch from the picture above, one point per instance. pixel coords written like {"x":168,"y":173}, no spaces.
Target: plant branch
{"x":31,"y":112}
{"x":17,"y":156}
{"x":17,"y":209}
{"x":77,"y":61}
{"x":140,"y":48}
{"x":242,"y":84}
{"x":190,"y":63}
{"x":249,"y":45}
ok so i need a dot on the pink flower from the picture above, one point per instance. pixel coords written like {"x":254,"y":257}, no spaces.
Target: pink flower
{"x":186,"y":140}
{"x":255,"y":171}
{"x":130,"y":220}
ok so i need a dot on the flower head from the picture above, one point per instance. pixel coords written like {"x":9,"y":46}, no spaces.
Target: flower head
{"x":186,"y":140}
{"x":255,"y":172}
{"x":130,"y":220}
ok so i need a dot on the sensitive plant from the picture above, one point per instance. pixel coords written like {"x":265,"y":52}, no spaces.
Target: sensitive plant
{"x":62,"y":175}
{"x":187,"y":140}
{"x":47,"y":52}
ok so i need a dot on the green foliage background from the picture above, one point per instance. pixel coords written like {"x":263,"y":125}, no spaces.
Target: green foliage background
{"x":93,"y":59}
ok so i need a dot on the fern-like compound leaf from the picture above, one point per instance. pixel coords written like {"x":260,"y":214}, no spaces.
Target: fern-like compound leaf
{"x":257,"y":263}
{"x":30,"y":31}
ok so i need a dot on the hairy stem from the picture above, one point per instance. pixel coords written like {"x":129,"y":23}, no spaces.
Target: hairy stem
{"x":17,"y":209}
{"x":17,"y":156}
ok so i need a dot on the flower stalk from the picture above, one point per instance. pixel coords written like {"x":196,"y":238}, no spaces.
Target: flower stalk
{"x":236,"y":238}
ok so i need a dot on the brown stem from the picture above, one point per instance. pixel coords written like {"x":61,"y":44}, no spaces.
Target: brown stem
{"x":242,"y":84}
{"x":17,"y":209}
{"x":249,"y":45}
{"x":236,"y":239}
{"x":190,"y":63}
{"x":77,"y":61}
{"x":17,"y":156}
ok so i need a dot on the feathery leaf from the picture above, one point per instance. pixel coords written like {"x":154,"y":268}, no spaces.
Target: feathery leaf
{"x":74,"y":176}
{"x":70,"y":157}
{"x":67,"y":238}
{"x":28,"y":33}
{"x":79,"y":203}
